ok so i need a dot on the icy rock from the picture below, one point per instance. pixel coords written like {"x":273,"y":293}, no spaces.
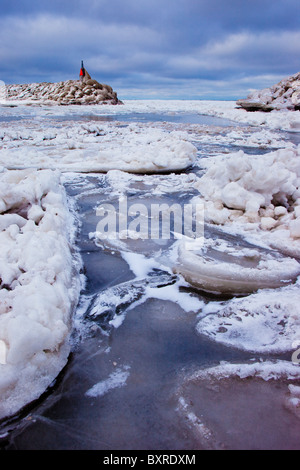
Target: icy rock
{"x":285,"y":95}
{"x":70,"y":92}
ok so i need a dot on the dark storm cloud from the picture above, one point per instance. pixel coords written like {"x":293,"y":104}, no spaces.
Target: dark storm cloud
{"x":212,"y":48}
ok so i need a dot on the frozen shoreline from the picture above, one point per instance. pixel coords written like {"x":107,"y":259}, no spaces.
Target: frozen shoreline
{"x":76,"y":148}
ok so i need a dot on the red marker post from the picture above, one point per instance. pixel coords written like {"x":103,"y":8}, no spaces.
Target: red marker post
{"x":82,"y":71}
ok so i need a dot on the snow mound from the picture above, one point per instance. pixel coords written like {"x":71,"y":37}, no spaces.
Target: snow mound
{"x":256,"y":193}
{"x":2,"y":92}
{"x":284,"y":95}
{"x":97,"y":148}
{"x":256,"y":196}
{"x":38,"y":285}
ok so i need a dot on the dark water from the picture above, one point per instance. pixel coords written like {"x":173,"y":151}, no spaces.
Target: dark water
{"x":180,"y":118}
{"x":10,"y":118}
{"x":158,"y":347}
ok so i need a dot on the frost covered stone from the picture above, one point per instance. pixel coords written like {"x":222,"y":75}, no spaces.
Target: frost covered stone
{"x":285,"y":95}
{"x":69,"y":92}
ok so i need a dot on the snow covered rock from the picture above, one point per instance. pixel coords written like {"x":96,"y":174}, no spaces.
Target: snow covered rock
{"x":285,"y":95}
{"x":69,"y":92}
{"x":39,"y":285}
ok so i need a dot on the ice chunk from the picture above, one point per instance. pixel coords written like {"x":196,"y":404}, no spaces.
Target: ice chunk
{"x":257,"y":193}
{"x":267,"y":321}
{"x":234,"y":273}
{"x":112,"y":302}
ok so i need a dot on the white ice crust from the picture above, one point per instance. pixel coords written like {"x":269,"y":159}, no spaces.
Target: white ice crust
{"x":97,"y":148}
{"x":235,"y":276}
{"x":39,"y":285}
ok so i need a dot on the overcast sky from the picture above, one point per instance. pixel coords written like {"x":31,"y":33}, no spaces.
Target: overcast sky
{"x":193,"y":49}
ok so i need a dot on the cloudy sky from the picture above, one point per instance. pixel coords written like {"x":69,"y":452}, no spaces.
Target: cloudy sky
{"x":192,"y":49}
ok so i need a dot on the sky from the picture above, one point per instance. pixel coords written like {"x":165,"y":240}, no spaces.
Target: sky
{"x":153,"y":49}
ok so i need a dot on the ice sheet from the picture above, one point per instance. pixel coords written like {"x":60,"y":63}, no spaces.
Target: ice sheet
{"x":247,"y":421}
{"x":265,"y":322}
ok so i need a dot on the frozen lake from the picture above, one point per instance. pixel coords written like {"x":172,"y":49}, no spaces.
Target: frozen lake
{"x":132,"y":380}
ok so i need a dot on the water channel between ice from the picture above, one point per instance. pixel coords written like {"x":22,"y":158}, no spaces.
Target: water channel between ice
{"x":128,"y":383}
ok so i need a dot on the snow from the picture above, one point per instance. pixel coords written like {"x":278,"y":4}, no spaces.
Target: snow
{"x":256,"y":193}
{"x":283,"y":120}
{"x":97,"y":148}
{"x":265,"y":370}
{"x":254,"y":196}
{"x":39,"y":285}
{"x":116,"y":379}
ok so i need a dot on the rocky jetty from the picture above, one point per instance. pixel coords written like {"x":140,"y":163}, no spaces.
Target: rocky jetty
{"x":84,"y":91}
{"x":285,"y":95}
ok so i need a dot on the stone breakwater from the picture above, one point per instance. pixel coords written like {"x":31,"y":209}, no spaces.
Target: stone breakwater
{"x":68,"y":92}
{"x":285,"y":95}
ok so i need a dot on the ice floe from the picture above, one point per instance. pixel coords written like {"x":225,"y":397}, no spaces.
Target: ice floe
{"x":265,"y":322}
{"x":235,"y":271}
{"x":97,"y":148}
{"x":219,"y":421}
